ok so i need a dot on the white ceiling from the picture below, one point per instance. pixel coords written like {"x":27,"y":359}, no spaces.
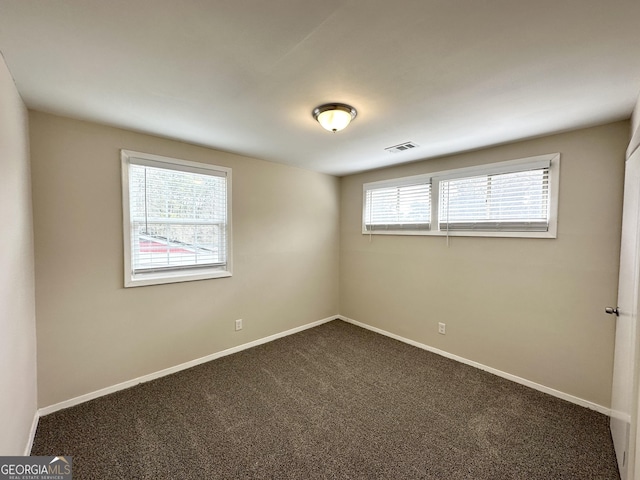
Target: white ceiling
{"x":244,"y":75}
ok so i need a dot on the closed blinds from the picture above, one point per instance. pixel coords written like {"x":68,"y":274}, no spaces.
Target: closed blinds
{"x":399,"y":207}
{"x":513,"y":201}
{"x":178,"y":217}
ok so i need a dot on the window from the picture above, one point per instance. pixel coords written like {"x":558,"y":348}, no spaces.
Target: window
{"x":517,"y":198}
{"x":177,"y":225}
{"x":398,"y":206}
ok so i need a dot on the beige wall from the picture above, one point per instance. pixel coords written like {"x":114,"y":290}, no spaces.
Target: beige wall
{"x":635,"y":130}
{"x":635,"y":117}
{"x":93,"y":333}
{"x":17,"y":307}
{"x":529,"y":307}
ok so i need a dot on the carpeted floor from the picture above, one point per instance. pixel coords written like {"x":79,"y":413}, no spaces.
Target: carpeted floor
{"x":336,"y":401}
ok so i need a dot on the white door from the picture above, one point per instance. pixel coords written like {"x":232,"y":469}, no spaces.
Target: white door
{"x":625,"y":388}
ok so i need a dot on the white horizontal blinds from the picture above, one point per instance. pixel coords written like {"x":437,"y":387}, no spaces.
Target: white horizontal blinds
{"x":178,"y":218}
{"x":515,"y":201}
{"x":401,"y":207}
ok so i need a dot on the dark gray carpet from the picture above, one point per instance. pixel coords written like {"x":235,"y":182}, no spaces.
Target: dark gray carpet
{"x":336,"y":401}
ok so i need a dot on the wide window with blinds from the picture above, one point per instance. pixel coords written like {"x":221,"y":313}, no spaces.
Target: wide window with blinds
{"x":402,"y":205}
{"x":176,"y":215}
{"x":516,"y":201}
{"x":517,"y":198}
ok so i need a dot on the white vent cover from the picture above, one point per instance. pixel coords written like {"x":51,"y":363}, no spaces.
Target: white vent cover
{"x":402,"y":147}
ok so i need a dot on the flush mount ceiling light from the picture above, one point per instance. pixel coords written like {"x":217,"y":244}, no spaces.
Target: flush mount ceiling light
{"x":334,"y":116}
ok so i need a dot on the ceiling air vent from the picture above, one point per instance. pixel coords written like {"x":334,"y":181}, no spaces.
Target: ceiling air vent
{"x":402,"y":147}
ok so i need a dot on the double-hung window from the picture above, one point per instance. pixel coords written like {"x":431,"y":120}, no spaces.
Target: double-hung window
{"x":177,"y":224}
{"x":517,"y":198}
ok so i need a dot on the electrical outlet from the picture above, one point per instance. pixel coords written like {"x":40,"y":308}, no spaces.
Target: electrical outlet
{"x":238,"y":324}
{"x":442,"y":328}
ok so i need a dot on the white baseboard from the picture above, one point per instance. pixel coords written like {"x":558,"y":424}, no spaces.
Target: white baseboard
{"x":523,"y":381}
{"x":168,"y":371}
{"x":32,"y":433}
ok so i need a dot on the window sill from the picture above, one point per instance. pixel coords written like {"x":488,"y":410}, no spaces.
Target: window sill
{"x":141,"y":280}
{"x":466,"y":233}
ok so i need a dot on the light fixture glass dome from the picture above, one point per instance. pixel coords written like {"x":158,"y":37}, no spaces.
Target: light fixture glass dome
{"x":334,"y":116}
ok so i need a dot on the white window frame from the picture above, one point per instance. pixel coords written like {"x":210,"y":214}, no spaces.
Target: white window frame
{"x":184,"y":275}
{"x":492,"y":168}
